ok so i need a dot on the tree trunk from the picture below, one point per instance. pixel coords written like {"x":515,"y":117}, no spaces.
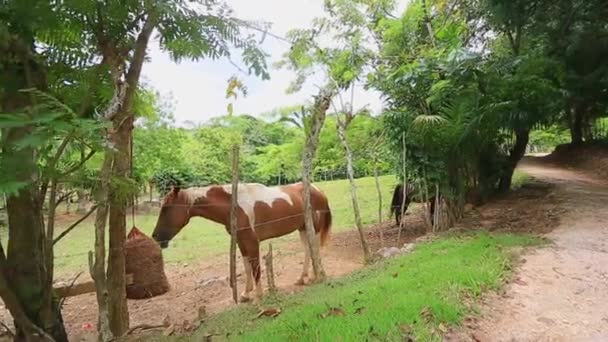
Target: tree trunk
{"x":97,"y":264}
{"x":576,"y":126}
{"x":233,"y":221}
{"x":405,"y":187}
{"x":120,"y":112}
{"x":587,"y":128}
{"x":119,"y":313}
{"x":321,"y":105}
{"x":377,"y":182}
{"x":342,"y":125}
{"x":272,"y":287}
{"x":12,"y":303}
{"x":427,"y":209}
{"x":517,"y":152}
{"x":25,"y":268}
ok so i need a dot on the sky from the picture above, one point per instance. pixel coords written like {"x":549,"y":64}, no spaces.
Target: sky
{"x":197,"y":89}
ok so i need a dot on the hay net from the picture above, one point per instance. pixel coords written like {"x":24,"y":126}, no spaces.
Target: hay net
{"x":144,"y":262}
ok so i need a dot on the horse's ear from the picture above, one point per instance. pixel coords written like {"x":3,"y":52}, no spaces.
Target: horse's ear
{"x":175,"y":190}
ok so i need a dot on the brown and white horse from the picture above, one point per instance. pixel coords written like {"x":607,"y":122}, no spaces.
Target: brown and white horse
{"x":263,"y":213}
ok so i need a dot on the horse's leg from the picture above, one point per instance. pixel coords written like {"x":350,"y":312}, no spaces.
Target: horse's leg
{"x":245,"y":295}
{"x":244,"y":240}
{"x":256,"y":271}
{"x":306,"y":263}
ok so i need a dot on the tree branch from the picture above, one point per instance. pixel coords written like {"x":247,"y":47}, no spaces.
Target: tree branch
{"x":64,"y":197}
{"x":8,"y":330}
{"x":52,"y":164}
{"x":68,"y":289}
{"x":133,"y":23}
{"x":80,"y":163}
{"x":141,"y":45}
{"x":511,"y":40}
{"x":73,"y":225}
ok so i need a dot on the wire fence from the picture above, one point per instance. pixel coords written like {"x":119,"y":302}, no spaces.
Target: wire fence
{"x":245,"y":226}
{"x":278,"y":255}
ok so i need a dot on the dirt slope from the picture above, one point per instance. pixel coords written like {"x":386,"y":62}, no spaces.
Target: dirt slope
{"x":560,"y":293}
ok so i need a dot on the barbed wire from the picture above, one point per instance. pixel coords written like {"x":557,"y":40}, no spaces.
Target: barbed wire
{"x":238,"y":228}
{"x":280,"y":254}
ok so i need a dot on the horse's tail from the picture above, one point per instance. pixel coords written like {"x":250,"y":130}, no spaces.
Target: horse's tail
{"x":320,"y":204}
{"x":326,"y":225}
{"x":397,"y":199}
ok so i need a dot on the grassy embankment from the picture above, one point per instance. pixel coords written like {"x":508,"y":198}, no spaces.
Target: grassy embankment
{"x":417,"y":295}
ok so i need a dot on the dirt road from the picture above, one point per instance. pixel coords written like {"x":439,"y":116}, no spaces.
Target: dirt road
{"x":560,"y":293}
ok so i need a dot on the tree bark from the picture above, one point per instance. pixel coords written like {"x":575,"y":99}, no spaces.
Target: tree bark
{"x":12,"y":303}
{"x":233,"y":221}
{"x":576,"y":126}
{"x":517,"y":152}
{"x":97,"y":264}
{"x":319,"y":112}
{"x":379,"y":191}
{"x":28,"y":280}
{"x":272,"y":287}
{"x":405,"y":186}
{"x":120,"y":113}
{"x":342,"y":126}
{"x":118,"y":310}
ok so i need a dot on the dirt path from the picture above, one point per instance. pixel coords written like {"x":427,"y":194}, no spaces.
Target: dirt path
{"x":560,"y":293}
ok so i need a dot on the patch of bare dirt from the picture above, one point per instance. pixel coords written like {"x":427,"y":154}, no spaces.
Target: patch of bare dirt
{"x":203,"y":288}
{"x":559,"y":293}
{"x":589,"y":157}
{"x":533,"y":208}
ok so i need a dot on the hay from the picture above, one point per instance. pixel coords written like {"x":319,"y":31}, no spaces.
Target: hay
{"x":144,"y":261}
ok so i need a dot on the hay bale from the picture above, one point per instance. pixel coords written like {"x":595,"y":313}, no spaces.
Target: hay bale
{"x":144,"y":261}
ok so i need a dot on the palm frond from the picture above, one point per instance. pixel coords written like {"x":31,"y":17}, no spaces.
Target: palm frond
{"x":429,"y":120}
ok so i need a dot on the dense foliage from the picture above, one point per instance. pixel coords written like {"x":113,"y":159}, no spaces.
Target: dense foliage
{"x":165,"y":155}
{"x":469,"y":86}
{"x":467,"y":82}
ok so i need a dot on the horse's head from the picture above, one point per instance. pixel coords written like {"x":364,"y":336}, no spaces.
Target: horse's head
{"x":174,"y":215}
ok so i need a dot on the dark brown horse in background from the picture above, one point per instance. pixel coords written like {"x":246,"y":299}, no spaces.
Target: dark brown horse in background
{"x":412,"y":194}
{"x":263,"y":213}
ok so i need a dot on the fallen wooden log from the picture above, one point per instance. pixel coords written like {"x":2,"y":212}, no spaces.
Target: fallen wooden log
{"x":81,"y":288}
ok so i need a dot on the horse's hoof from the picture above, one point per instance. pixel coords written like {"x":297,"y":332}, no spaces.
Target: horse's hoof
{"x":300,"y":282}
{"x":244,"y":298}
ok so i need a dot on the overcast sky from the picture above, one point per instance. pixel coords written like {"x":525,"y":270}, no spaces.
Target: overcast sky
{"x":198,"y":88}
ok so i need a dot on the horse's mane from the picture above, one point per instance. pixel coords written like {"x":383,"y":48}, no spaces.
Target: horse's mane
{"x":191,"y":195}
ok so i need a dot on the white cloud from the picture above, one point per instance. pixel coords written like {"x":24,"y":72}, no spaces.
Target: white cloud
{"x":198,"y":88}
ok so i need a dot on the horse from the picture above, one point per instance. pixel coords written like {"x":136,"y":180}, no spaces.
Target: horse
{"x":263,"y":213}
{"x":410,"y":196}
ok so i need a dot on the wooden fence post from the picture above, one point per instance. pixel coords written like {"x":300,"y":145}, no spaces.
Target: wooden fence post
{"x":233,"y":220}
{"x":272,"y":288}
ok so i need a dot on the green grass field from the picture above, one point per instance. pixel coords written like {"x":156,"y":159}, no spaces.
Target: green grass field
{"x":417,"y":295}
{"x":202,"y":238}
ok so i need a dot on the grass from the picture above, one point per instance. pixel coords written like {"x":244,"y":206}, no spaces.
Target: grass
{"x":418,"y":295}
{"x":203,"y":239}
{"x":519,"y":178}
